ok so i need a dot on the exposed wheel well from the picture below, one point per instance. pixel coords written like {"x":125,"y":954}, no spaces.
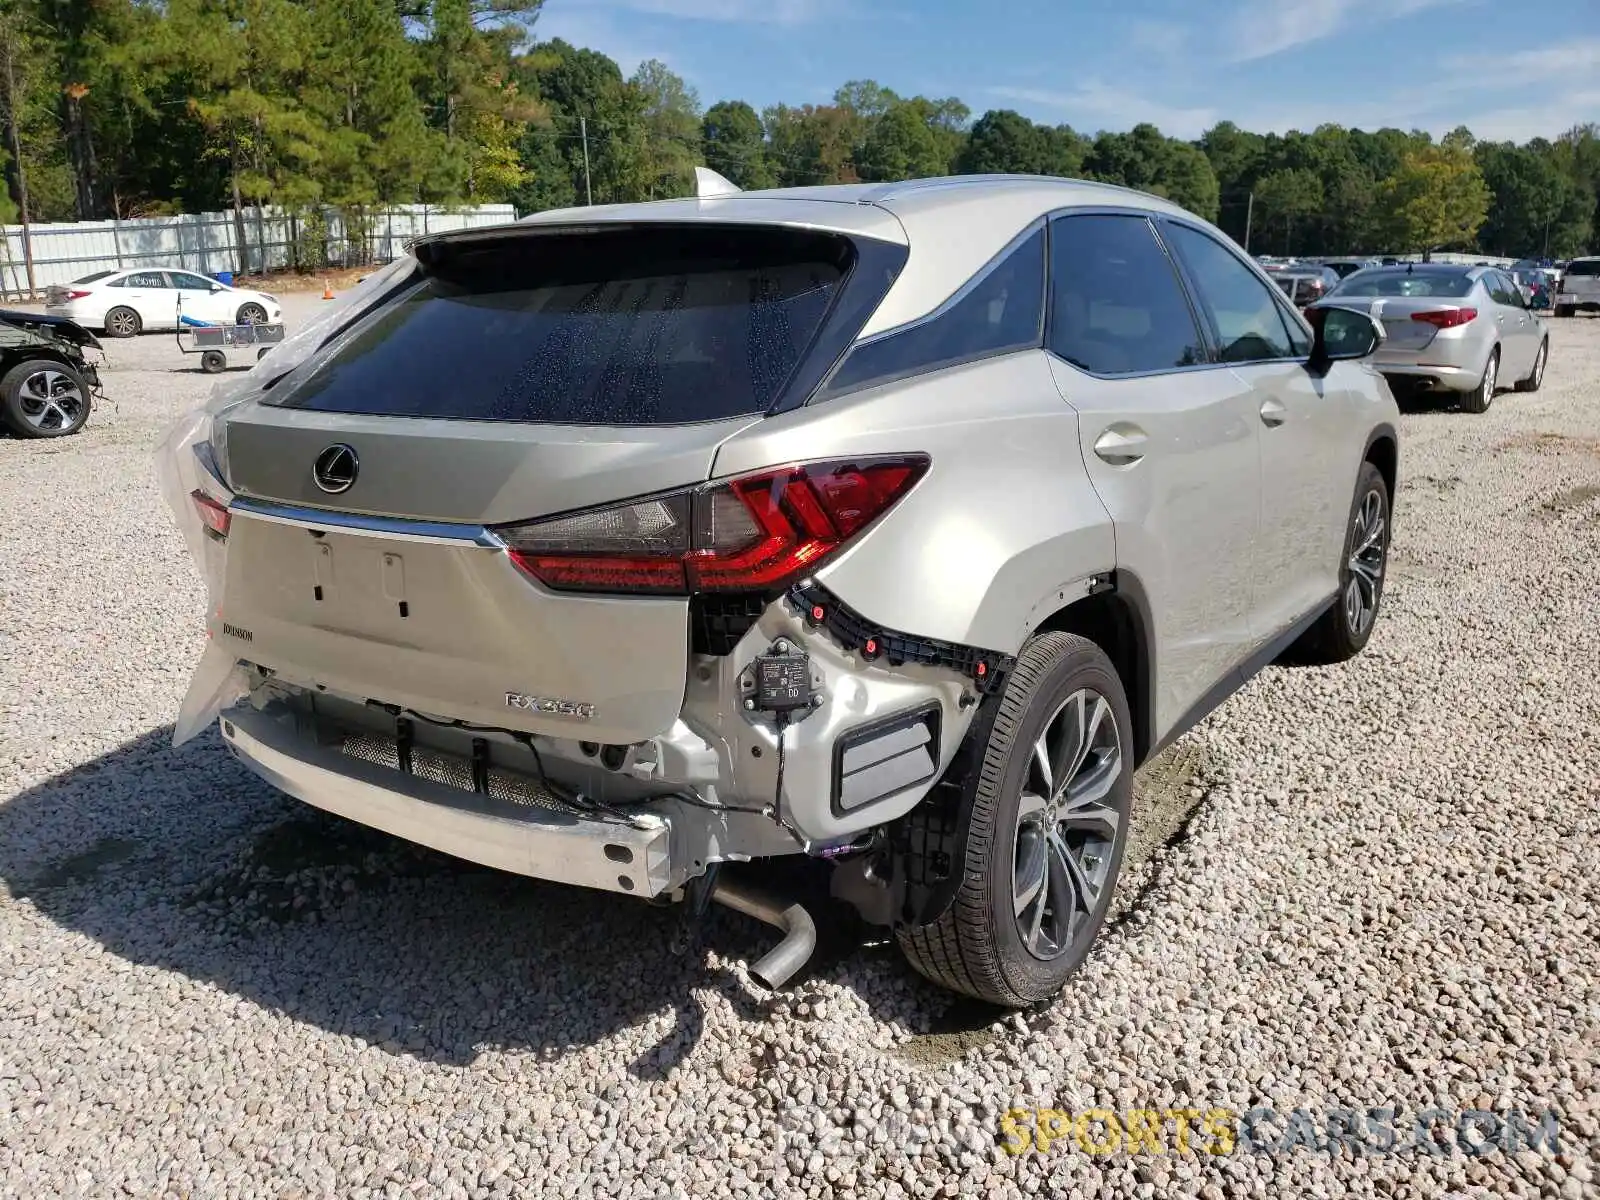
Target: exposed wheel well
{"x":1112,"y":622}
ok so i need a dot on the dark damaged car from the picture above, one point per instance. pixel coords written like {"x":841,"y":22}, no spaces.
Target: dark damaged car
{"x":47,"y":383}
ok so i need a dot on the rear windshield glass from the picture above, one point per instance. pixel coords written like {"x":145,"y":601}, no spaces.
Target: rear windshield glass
{"x":1403,"y":283}
{"x":96,"y":276}
{"x":657,"y":326}
{"x":1589,"y":267}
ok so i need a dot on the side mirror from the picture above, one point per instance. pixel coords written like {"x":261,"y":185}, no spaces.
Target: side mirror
{"x":1342,"y":334}
{"x":215,"y":288}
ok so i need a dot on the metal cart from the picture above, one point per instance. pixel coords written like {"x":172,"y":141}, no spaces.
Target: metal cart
{"x":210,"y":341}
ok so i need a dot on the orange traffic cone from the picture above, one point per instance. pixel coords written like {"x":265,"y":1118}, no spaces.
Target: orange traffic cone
{"x":327,"y":292}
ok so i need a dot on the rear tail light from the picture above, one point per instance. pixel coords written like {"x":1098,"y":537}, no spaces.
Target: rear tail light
{"x":754,"y":533}
{"x":74,"y":294}
{"x":214,"y":515}
{"x":1446,"y":318}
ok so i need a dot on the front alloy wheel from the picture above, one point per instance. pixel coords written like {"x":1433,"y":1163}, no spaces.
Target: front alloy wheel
{"x":1369,"y":542}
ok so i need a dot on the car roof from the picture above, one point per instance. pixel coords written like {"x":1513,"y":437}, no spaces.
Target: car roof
{"x":954,"y":224}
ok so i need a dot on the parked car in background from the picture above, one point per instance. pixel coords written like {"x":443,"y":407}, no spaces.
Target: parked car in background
{"x":1538,"y":286}
{"x":1579,"y":290}
{"x":1452,"y":330}
{"x":123,"y":303}
{"x":1303,"y":283}
{"x":1349,"y":266}
{"x":47,"y":383}
{"x":683,"y":565}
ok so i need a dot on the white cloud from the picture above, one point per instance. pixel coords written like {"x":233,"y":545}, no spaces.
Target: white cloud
{"x":1262,"y":28}
{"x":1578,"y":58}
{"x":1547,"y":120}
{"x":1110,"y":107}
{"x":1163,"y":39}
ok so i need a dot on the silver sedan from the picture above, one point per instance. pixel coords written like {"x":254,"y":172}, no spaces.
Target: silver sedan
{"x":1451,"y":329}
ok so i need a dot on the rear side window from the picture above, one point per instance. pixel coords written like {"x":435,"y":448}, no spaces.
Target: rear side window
{"x":1117,"y":307}
{"x":1445,"y":284}
{"x":1000,"y":311}
{"x":642,"y":326}
{"x":1250,"y":324}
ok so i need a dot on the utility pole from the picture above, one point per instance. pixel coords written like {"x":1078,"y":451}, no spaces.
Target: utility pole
{"x":1249,"y":212}
{"x":583,"y":130}
{"x":1546,"y":253}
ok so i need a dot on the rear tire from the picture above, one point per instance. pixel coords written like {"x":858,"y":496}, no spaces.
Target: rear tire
{"x":213,"y":361}
{"x":122,"y":322}
{"x":42,"y":398}
{"x":1536,"y":376}
{"x":1051,"y":803}
{"x":1480,"y":397}
{"x":1343,"y":631}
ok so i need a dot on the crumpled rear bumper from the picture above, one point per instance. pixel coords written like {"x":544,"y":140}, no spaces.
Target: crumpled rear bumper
{"x":632,"y":856}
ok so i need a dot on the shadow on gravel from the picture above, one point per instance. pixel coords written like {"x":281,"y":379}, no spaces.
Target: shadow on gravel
{"x":183,"y":860}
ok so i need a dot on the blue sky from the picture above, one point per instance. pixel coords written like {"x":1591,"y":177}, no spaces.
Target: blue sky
{"x":1507,"y":70}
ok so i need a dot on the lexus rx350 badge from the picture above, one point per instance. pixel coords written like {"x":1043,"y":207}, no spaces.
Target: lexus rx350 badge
{"x":336,"y":469}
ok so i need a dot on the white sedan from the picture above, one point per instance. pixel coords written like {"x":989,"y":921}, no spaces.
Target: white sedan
{"x":123,"y":303}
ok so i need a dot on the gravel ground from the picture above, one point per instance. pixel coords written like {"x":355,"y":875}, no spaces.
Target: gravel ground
{"x":1386,"y":896}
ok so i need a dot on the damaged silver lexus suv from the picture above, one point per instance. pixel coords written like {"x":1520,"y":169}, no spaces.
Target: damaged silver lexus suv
{"x":894,"y":525}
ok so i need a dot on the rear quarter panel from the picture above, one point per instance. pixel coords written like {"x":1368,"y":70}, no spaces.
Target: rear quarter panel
{"x":1000,"y":533}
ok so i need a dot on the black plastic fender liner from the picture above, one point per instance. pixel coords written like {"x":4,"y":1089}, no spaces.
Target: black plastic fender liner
{"x":928,"y":846}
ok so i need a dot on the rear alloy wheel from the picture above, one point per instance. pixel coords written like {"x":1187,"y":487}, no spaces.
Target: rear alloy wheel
{"x":1050,"y":813}
{"x":122,"y":322}
{"x":251,"y":314}
{"x":1343,"y":631}
{"x":43,"y":399}
{"x":1480,"y":397}
{"x":1536,"y":376}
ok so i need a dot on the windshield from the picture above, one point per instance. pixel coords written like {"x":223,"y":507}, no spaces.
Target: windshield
{"x":1447,"y":284}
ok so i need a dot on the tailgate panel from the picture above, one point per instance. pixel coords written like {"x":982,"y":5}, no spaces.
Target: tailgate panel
{"x":448,"y":629}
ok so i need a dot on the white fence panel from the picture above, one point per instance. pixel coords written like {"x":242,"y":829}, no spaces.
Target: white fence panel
{"x":208,"y":242}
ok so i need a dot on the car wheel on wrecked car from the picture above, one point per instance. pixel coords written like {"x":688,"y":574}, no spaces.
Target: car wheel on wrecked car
{"x":42,"y":398}
{"x":1050,"y":813}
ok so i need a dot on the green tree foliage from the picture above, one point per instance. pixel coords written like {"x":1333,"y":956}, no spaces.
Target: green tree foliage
{"x":1288,"y":196}
{"x":735,"y":145}
{"x":135,"y":107}
{"x":1436,"y":200}
{"x":1145,"y":159}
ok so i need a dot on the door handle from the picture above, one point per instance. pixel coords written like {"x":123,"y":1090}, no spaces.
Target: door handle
{"x":1273,"y":413}
{"x":1121,"y":445}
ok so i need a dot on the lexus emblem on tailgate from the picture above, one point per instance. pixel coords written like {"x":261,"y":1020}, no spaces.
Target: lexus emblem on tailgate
{"x":336,"y":468}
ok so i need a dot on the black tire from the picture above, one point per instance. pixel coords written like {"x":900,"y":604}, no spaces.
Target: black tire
{"x":1339,"y":635}
{"x":251,"y":314}
{"x":1564,"y":310}
{"x":122,"y":322}
{"x":977,"y":947}
{"x":43,"y":398}
{"x":1536,"y":375}
{"x":1480,"y":397}
{"x":213,"y":361}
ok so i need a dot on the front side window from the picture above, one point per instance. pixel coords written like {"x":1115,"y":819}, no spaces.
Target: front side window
{"x":1249,"y":324}
{"x":1002,"y":311}
{"x":1116,"y":305}
{"x":182,"y":279}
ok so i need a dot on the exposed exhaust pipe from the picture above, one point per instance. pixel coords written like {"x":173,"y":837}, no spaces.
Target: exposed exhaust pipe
{"x":783,"y":961}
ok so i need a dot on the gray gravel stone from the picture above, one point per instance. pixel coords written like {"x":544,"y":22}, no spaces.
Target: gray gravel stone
{"x":1388,"y":897}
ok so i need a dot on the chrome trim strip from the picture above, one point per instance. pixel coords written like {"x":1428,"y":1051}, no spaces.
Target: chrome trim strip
{"x":391,"y":528}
